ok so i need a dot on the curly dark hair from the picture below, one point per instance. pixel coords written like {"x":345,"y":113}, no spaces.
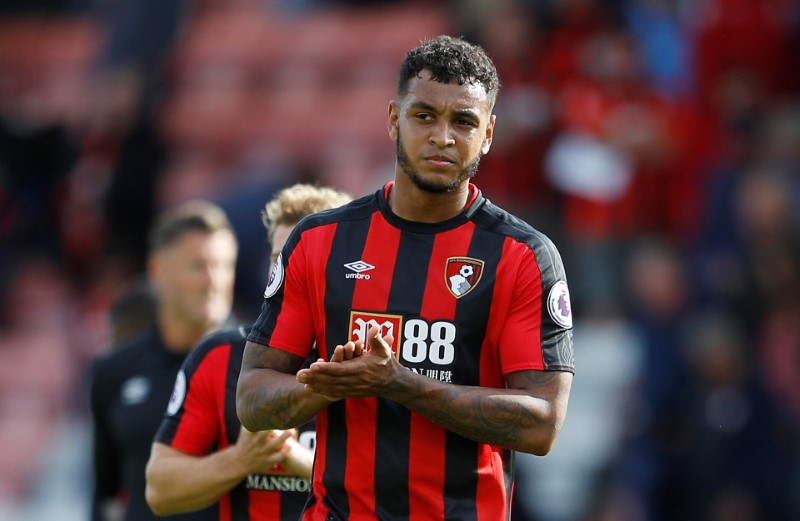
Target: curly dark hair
{"x":450,"y":59}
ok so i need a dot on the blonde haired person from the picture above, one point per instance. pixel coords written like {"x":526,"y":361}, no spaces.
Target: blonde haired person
{"x":291,"y":204}
{"x":201,"y":455}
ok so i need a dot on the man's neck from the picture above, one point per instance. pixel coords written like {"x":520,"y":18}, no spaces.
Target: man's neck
{"x":178,"y":335}
{"x":409,"y":202}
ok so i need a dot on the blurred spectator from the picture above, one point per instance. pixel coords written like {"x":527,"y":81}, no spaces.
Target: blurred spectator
{"x":659,"y":305}
{"x":610,"y":161}
{"x":242,"y":204}
{"x":779,"y":361}
{"x":733,"y":459}
{"x":512,"y":174}
{"x":37,"y":370}
{"x":704,"y":438}
{"x":38,"y":145}
{"x":125,"y":137}
{"x":35,"y":158}
{"x":746,"y":35}
{"x":659,"y":308}
{"x":718,"y":452}
{"x":749,"y":259}
{"x":662,"y":29}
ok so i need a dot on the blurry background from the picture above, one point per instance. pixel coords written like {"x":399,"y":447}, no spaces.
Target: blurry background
{"x":656,"y":141}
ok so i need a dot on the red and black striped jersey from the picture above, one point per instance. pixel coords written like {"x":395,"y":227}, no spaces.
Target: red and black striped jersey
{"x":467,"y":301}
{"x":201,"y":418}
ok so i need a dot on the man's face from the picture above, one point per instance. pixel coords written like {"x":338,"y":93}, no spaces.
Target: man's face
{"x":194,"y":278}
{"x":441,"y":131}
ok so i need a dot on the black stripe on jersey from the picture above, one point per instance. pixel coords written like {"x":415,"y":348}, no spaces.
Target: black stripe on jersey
{"x":509,"y":458}
{"x":240,"y":501}
{"x":232,"y":424}
{"x":393,"y":423}
{"x":347,"y":246}
{"x":557,"y":349}
{"x":461,"y":462}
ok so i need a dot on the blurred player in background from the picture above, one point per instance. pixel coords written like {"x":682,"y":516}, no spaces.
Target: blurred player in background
{"x":190,"y":267}
{"x":201,"y":454}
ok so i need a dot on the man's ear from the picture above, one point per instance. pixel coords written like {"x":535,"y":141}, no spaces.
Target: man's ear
{"x":393,"y":120}
{"x":487,"y":138}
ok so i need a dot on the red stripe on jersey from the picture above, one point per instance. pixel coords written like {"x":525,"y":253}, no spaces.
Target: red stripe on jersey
{"x":427,"y":443}
{"x":380,"y":250}
{"x":200,"y":426}
{"x":490,"y":498}
{"x":318,"y":513}
{"x":518,"y":328}
{"x":359,"y":479}
{"x":294,"y":332}
{"x":425,"y":469}
{"x":439,"y":303}
{"x":225,"y":507}
{"x":264,"y":506}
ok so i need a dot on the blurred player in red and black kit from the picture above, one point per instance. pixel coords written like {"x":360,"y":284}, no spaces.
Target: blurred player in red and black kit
{"x":191,"y":270}
{"x":443,"y":323}
{"x":201,"y":455}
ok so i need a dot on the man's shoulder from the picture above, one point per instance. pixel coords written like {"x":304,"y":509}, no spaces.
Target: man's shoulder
{"x":233,"y":337}
{"x":232,"y":340}
{"x":355,"y":209}
{"x":127,"y":353}
{"x":110,"y":369}
{"x":494,"y":218}
{"x":526,"y":238}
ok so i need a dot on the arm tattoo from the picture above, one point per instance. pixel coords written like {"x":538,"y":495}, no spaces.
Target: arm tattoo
{"x":268,"y":404}
{"x":281,"y":361}
{"x":499,"y":418}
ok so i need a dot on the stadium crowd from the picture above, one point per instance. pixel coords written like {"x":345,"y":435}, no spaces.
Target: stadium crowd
{"x":656,"y":141}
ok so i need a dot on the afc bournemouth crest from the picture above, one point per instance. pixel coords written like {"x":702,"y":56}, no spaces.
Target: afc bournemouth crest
{"x":462,"y":274}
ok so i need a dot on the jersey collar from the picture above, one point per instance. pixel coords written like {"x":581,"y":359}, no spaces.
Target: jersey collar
{"x":474,"y":201}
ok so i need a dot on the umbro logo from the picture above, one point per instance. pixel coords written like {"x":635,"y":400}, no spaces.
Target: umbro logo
{"x":359,"y":267}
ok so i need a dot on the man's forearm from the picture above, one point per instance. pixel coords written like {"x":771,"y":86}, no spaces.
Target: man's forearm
{"x":179,"y":482}
{"x":505,"y":417}
{"x":268,"y":399}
